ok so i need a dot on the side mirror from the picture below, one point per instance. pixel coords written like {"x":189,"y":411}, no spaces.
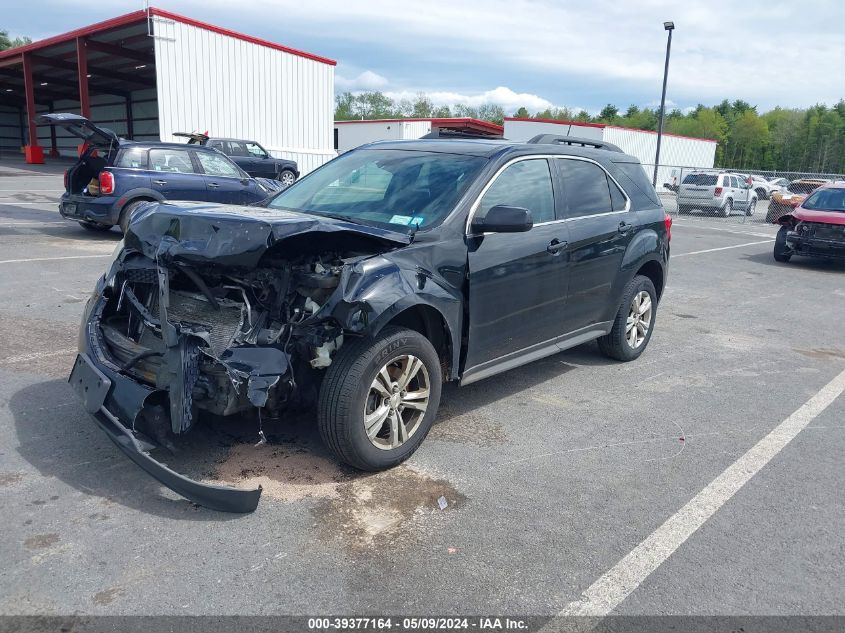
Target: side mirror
{"x":504,"y":219}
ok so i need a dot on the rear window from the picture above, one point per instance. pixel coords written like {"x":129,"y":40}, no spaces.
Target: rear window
{"x":802,"y":187}
{"x":826,"y":200}
{"x":702,"y":180}
{"x":132,"y":158}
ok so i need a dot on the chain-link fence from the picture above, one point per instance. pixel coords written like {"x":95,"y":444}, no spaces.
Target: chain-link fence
{"x":734,"y":195}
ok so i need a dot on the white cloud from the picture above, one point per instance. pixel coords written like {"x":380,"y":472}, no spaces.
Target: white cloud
{"x":509,"y":99}
{"x":605,"y":44}
{"x":585,"y":51}
{"x":367,"y":80}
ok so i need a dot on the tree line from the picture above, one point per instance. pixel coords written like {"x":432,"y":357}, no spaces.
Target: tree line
{"x":782,"y":139}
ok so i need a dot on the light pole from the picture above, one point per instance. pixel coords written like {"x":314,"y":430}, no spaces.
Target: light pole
{"x":669,"y":26}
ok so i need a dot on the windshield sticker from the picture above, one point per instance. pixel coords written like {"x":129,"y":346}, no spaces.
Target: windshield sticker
{"x":404,"y":220}
{"x":417,"y":221}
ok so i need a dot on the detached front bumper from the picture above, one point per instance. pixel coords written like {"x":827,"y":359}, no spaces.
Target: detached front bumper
{"x":115,"y":401}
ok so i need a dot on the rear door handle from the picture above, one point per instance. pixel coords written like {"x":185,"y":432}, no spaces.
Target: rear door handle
{"x":624,"y":227}
{"x":556,"y":246}
{"x":160,"y":182}
{"x":213,"y":184}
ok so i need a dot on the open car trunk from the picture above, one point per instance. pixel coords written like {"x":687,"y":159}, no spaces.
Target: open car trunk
{"x":101,"y":145}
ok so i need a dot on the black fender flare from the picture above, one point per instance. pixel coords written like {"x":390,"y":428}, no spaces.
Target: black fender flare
{"x":135,"y":194}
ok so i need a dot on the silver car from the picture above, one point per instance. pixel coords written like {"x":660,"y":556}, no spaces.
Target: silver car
{"x":719,"y":193}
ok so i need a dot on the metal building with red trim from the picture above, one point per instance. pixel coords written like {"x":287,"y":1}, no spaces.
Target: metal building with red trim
{"x":354,"y":133}
{"x":150,"y":73}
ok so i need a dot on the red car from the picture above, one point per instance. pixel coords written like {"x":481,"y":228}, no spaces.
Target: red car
{"x":816,"y":227}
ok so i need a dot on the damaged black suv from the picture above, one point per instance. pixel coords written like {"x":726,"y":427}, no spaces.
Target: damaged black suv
{"x":364,"y":287}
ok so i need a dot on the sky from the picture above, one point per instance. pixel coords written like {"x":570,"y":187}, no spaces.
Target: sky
{"x":535,"y":53}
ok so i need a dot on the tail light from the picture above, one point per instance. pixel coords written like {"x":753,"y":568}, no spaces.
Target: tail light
{"x":67,"y":171}
{"x":717,"y":192}
{"x":106,"y":182}
{"x":667,"y":220}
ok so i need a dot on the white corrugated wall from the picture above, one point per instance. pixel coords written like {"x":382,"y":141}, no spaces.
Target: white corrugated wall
{"x":675,"y":151}
{"x":415,"y":129}
{"x":233,"y":88}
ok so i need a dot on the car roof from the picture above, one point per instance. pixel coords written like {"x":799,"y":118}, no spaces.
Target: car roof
{"x":836,"y":184}
{"x":162,"y":144}
{"x":489,"y":148}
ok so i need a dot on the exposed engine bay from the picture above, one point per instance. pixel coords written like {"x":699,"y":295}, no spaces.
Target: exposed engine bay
{"x":225,"y":341}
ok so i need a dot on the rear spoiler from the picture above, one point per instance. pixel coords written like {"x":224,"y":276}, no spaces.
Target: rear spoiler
{"x":194,"y":138}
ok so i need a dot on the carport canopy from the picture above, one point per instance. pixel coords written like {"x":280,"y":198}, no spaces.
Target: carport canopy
{"x":113,"y":58}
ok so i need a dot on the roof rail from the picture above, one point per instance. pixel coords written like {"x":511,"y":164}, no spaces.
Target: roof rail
{"x":557,"y":139}
{"x":458,"y":134}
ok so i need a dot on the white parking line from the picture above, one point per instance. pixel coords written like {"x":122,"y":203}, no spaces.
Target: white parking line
{"x":717,"y":228}
{"x":48,"y":259}
{"x":721,"y":248}
{"x":604,"y":595}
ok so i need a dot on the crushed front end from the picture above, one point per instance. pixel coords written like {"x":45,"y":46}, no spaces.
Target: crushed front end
{"x":212,"y":316}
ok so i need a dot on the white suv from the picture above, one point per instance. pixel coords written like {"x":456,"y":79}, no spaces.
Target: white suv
{"x":719,"y":192}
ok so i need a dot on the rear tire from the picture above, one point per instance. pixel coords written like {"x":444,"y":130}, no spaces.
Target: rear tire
{"x":622,"y":343}
{"x":364,"y":385}
{"x":728,"y":208}
{"x":683,"y":209}
{"x":91,"y":226}
{"x":782,"y":252}
{"x":286,"y":177}
{"x":126,"y":214}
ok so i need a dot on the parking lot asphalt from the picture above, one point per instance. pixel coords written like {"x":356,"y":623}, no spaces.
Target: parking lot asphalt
{"x":553,"y":472}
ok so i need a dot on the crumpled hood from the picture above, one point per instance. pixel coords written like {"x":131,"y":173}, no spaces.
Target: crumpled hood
{"x":824,"y":217}
{"x":229,"y":235}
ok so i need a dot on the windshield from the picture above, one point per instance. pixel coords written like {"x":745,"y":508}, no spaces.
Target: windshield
{"x":706,"y":180}
{"x":395,"y":189}
{"x":826,"y":200}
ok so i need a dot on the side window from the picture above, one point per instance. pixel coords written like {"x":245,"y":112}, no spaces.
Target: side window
{"x":585,"y":188}
{"x":132,"y":158}
{"x":218,"y":145}
{"x":171,"y":160}
{"x":617,"y":198}
{"x":734,"y":182}
{"x":217,"y":165}
{"x":527,"y":184}
{"x":237,"y":149}
{"x":256,"y":150}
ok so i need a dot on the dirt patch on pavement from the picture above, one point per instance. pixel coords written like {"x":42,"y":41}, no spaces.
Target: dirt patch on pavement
{"x":467,"y":428}
{"x":7,"y":479}
{"x":385,"y":507}
{"x":286,"y":473}
{"x":107,"y":596}
{"x":41,"y":541}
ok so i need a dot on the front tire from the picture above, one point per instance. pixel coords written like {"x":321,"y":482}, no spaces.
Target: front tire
{"x":634,"y":321}
{"x":782,"y":252}
{"x":379,"y":398}
{"x":126,"y":214}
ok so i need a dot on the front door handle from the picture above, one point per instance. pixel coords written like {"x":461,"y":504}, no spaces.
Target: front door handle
{"x":556,"y":246}
{"x":624,"y":227}
{"x":160,"y":182}
{"x":213,"y":184}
